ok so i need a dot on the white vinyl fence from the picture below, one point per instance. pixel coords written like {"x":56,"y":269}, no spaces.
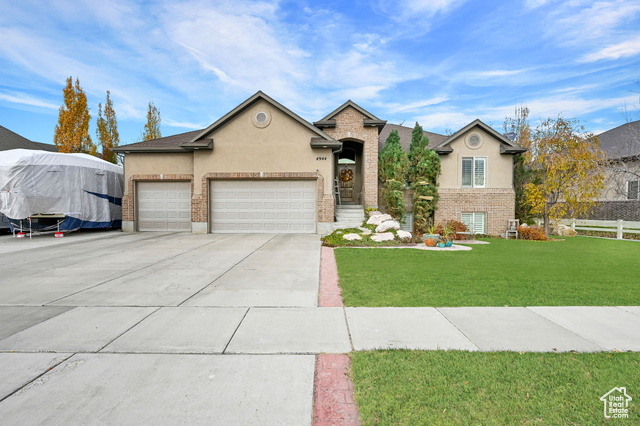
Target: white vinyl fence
{"x":620,"y":227}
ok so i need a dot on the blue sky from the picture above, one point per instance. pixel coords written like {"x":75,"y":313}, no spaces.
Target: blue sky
{"x":440,"y":62}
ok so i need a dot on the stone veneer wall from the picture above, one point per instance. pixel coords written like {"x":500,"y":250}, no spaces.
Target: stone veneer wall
{"x":498,"y":204}
{"x":349,"y":125}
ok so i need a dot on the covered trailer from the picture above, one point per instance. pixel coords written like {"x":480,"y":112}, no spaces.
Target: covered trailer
{"x":82,"y":190}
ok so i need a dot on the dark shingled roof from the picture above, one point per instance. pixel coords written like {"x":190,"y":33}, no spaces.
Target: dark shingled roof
{"x":622,"y":141}
{"x":168,"y":142}
{"x":12,"y":140}
{"x":435,"y":139}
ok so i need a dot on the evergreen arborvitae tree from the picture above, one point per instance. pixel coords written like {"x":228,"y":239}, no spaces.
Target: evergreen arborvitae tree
{"x":72,"y":131}
{"x":152,"y":128}
{"x":107,"y":131}
{"x":424,"y":170}
{"x":393,"y":165}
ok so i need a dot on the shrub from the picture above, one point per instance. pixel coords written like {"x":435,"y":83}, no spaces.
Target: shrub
{"x":532,"y":233}
{"x":455,"y":227}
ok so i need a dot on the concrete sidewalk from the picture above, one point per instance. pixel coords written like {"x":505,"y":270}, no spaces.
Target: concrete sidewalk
{"x":299,"y":330}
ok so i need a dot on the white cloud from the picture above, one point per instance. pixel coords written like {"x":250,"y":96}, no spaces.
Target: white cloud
{"x":24,"y":99}
{"x":534,"y":4}
{"x":184,"y":124}
{"x":616,"y":51}
{"x":413,"y":106}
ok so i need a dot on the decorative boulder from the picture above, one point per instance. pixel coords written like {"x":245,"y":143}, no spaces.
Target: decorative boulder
{"x":566,"y":231}
{"x":365,"y":231}
{"x":403,"y":235}
{"x":378,"y":219}
{"x":374,"y":213}
{"x":351,"y":237}
{"x":388,"y":225}
{"x":387,"y":236}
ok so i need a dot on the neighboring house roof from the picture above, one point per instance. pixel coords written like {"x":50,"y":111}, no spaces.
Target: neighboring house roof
{"x":405,"y":136}
{"x":369,"y":120}
{"x":167,"y":144}
{"x":198,"y":139}
{"x":506,"y":146}
{"x":622,"y":141}
{"x":12,"y":140}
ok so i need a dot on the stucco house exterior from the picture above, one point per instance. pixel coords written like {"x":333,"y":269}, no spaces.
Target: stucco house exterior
{"x":263,"y":168}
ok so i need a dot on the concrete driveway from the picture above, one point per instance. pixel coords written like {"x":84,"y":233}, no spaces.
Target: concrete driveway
{"x":162,"y":327}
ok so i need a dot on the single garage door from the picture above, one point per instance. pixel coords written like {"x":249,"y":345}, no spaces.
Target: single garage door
{"x":263,"y":206}
{"x":164,"y":206}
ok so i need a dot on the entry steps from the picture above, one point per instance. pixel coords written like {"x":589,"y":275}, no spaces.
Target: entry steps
{"x":348,"y":216}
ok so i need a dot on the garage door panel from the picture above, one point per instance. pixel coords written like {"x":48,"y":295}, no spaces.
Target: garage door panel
{"x":164,"y":206}
{"x":283,"y":206}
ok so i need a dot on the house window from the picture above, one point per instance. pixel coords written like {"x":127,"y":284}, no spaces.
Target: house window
{"x":633,"y":187}
{"x":474,"y":172}
{"x":475,"y":222}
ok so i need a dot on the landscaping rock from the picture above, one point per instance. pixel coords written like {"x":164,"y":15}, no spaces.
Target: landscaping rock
{"x":388,"y":225}
{"x":365,"y":231}
{"x":374,"y":213}
{"x":387,"y":236}
{"x":351,"y":237}
{"x":378,"y":219}
{"x":566,"y":231}
{"x":403,"y":235}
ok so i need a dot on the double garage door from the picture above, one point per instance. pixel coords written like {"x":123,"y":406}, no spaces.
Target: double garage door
{"x":236,"y":206}
{"x":262,"y":206}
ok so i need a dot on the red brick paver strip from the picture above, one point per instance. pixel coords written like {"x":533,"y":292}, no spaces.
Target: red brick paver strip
{"x":329,"y":293}
{"x":333,"y":402}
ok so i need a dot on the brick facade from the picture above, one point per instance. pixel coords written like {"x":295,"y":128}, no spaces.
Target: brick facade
{"x":615,"y":210}
{"x":200,"y":202}
{"x":498,"y":204}
{"x":350,"y":125}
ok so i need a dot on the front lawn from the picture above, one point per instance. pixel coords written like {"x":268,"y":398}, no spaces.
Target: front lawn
{"x":438,"y":388}
{"x":578,"y":271}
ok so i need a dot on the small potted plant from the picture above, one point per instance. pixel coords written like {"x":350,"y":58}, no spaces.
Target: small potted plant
{"x":431,"y":237}
{"x":449,"y":235}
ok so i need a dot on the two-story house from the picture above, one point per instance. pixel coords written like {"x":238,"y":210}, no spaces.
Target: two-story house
{"x":262,"y":168}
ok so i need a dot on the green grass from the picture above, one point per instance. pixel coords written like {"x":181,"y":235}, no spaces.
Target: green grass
{"x":578,"y":271}
{"x":504,"y":388}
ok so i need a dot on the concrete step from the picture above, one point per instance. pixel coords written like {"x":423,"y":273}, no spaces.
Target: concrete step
{"x":347,"y":213}
{"x":349,"y":207}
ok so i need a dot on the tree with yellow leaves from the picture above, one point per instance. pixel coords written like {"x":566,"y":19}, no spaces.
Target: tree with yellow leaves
{"x":152,"y":128}
{"x":567,"y":170}
{"x":72,"y":130}
{"x":107,"y":131}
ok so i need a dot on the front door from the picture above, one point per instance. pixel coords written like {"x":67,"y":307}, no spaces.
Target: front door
{"x":347,"y":178}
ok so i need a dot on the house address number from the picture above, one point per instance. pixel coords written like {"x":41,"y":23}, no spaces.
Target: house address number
{"x":321,"y":158}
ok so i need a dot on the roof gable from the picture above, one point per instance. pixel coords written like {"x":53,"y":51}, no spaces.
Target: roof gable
{"x":246,"y":104}
{"x":506,"y":146}
{"x":369,"y":119}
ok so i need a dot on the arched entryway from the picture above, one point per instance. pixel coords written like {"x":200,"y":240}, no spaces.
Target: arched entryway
{"x":349,"y":171}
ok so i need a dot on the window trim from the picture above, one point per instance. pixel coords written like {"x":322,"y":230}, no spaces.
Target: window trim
{"x":637,"y":190}
{"x":473,"y":172}
{"x":474,"y":217}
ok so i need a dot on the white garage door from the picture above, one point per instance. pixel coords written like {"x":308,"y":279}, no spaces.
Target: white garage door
{"x":263,"y":206}
{"x":164,"y":206}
